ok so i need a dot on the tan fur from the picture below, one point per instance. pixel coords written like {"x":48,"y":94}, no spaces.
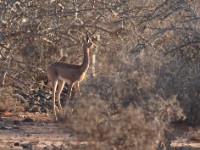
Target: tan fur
{"x":60,"y":72}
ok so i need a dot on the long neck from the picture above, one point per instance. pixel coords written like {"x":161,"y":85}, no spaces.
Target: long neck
{"x":86,"y":59}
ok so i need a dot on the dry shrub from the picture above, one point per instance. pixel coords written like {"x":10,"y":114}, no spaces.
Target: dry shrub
{"x":181,"y":78}
{"x":9,"y":101}
{"x":128,"y":114}
{"x":93,"y":123}
{"x":136,"y":80}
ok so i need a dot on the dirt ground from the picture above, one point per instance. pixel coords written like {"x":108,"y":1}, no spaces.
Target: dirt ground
{"x":32,"y":131}
{"x":40,"y":131}
{"x":186,"y":137}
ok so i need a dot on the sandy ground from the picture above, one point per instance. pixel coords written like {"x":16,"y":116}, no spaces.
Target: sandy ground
{"x":37,"y":131}
{"x":40,"y":131}
{"x":186,"y":137}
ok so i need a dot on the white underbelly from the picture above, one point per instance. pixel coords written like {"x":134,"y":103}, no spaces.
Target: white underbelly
{"x":63,"y":79}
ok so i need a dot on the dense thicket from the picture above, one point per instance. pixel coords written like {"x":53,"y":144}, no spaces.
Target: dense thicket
{"x":147,"y":63}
